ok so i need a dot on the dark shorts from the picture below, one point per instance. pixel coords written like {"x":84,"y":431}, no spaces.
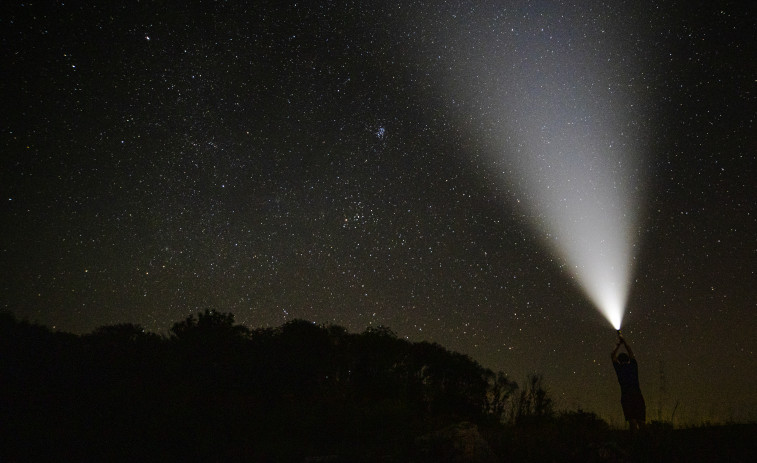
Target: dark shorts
{"x":634,"y":407}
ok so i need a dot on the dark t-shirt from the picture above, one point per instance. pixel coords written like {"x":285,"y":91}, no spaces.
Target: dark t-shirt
{"x":628,"y":376}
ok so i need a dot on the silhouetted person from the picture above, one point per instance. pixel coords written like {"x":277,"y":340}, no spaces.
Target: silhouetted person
{"x":634,"y":408}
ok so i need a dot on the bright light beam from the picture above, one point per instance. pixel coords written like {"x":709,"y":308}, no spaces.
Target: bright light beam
{"x":560,"y":102}
{"x":587,"y":217}
{"x":585,"y":204}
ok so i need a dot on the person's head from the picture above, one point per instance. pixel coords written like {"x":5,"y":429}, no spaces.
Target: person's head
{"x":623,"y":358}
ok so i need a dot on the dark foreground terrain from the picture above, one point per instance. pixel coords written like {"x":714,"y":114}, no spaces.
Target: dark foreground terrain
{"x":559,"y":441}
{"x":216,"y":391}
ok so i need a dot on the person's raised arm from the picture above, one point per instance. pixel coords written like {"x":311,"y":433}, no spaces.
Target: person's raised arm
{"x":614,"y":354}
{"x":628,"y":349}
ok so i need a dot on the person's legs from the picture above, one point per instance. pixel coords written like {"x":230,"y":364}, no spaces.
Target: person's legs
{"x":634,"y":410}
{"x":634,"y":425}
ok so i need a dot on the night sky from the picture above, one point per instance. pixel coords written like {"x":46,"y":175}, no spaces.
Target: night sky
{"x":342,"y":162}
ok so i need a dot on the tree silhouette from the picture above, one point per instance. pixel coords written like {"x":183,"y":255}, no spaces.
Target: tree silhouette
{"x":211,"y":326}
{"x":501,"y":390}
{"x":533,"y":401}
{"x":213,"y":389}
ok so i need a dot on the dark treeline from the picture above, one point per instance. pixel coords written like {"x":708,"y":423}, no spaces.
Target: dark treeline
{"x":213,"y":390}
{"x":216,"y":388}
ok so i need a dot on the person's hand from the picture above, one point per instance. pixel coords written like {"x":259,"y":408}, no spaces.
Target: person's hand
{"x":621,"y":339}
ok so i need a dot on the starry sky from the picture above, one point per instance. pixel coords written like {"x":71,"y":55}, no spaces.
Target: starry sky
{"x":356,"y":163}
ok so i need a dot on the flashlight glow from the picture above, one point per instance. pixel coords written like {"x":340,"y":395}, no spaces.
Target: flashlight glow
{"x":578,"y":168}
{"x":559,"y":103}
{"x":586,"y":214}
{"x":564,"y":124}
